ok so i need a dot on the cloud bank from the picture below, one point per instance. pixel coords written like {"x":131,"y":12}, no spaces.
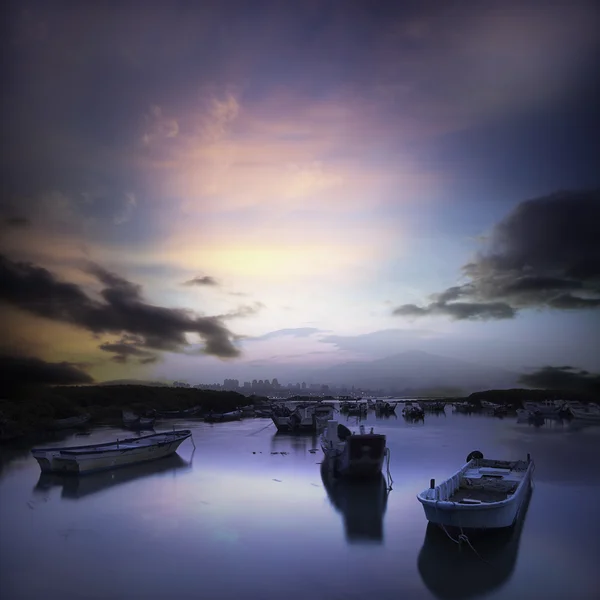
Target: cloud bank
{"x":545,"y":254}
{"x":121,"y":311}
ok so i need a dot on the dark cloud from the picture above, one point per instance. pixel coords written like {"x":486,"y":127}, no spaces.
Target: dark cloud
{"x":15,"y":370}
{"x":129,"y":346}
{"x":17,"y":222}
{"x":563,"y":378}
{"x":206,"y":280}
{"x":545,"y":254}
{"x":121,"y":311}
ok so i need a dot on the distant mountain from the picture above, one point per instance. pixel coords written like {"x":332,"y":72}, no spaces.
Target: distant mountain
{"x":416,"y":370}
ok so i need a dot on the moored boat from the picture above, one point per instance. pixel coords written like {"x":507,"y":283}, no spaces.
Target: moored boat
{"x":353,"y":455}
{"x":547,"y":408}
{"x":178,"y":414}
{"x":212,"y":417}
{"x":70,"y":422}
{"x":412,"y":411}
{"x":136,"y":422}
{"x":589,"y":412}
{"x":304,"y":417}
{"x":109,"y":455}
{"x":483,"y":494}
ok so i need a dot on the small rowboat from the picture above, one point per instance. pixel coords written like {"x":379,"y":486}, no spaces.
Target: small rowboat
{"x":483,"y":494}
{"x":98,"y":457}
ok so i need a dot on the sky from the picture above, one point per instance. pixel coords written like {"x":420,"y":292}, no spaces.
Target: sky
{"x":235,"y":189}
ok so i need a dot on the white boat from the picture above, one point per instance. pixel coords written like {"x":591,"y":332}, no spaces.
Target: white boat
{"x":98,"y":457}
{"x":353,"y":455}
{"x":133,"y":421}
{"x":590,"y":412}
{"x":304,"y":417}
{"x":547,"y":408}
{"x":483,"y":494}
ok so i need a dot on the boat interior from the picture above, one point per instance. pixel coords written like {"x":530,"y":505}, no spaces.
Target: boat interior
{"x":482,"y":481}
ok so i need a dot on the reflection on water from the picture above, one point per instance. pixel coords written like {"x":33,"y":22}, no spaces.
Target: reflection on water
{"x":362,"y":503}
{"x":241,"y":521}
{"x":452,"y":572}
{"x":74,"y":487}
{"x":282,"y":441}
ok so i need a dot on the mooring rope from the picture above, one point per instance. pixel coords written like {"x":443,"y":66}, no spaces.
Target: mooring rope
{"x":390,"y":481}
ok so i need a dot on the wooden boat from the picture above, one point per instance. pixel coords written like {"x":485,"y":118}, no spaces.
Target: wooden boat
{"x":178,"y":414}
{"x":362,"y":503}
{"x":412,"y":411}
{"x":483,"y":494}
{"x":358,"y":408}
{"x":353,"y":455}
{"x":98,"y":457}
{"x":74,"y":488}
{"x":234,"y":415}
{"x":304,"y":417}
{"x":451,"y":571}
{"x":590,"y":412}
{"x":70,"y":422}
{"x":385,"y":408}
{"x":136,"y":422}
{"x":547,"y":408}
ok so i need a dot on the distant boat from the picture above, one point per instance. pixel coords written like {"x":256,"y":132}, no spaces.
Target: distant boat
{"x":464,"y":407}
{"x":353,"y":455}
{"x":385,"y":408}
{"x":358,"y":408}
{"x":547,"y":408}
{"x":433,"y":406}
{"x":234,"y":415}
{"x":483,"y":494}
{"x":99,"y":457}
{"x":412,"y":411}
{"x":304,"y":417}
{"x":178,"y":414}
{"x":591,"y":412}
{"x":70,"y":422}
{"x":133,"y":421}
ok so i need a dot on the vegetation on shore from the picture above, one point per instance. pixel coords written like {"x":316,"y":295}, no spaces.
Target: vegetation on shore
{"x":32,"y":409}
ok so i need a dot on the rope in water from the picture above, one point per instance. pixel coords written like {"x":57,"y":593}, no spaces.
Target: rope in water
{"x":390,"y":481}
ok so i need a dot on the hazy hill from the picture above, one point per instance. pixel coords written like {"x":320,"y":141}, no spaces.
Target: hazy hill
{"x":418,"y":370}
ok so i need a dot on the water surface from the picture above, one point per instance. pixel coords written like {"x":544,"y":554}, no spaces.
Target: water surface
{"x":249,"y":514}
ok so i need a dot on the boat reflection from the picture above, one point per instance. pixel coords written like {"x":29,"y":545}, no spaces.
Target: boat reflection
{"x":362,"y":503}
{"x":450,"y":572}
{"x":74,"y":487}
{"x":296,"y":442}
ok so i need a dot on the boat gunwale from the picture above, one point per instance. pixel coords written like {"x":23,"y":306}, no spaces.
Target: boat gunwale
{"x":93,"y":447}
{"x":447,"y":505}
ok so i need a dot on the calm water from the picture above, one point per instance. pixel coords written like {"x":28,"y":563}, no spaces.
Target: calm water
{"x":247,"y":515}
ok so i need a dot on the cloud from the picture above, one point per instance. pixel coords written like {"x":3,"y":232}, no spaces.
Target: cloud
{"x":563,"y":378}
{"x":297,"y":332}
{"x":248,"y":310}
{"x":129,"y":346}
{"x":122,"y":309}
{"x":545,"y":254}
{"x":17,"y":370}
{"x":205,"y":280}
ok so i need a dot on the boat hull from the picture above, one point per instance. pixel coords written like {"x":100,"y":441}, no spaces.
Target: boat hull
{"x":62,"y":460}
{"x":360,"y":457}
{"x":484,"y":516}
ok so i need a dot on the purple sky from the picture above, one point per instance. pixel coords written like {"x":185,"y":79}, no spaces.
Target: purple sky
{"x":191,"y":189}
